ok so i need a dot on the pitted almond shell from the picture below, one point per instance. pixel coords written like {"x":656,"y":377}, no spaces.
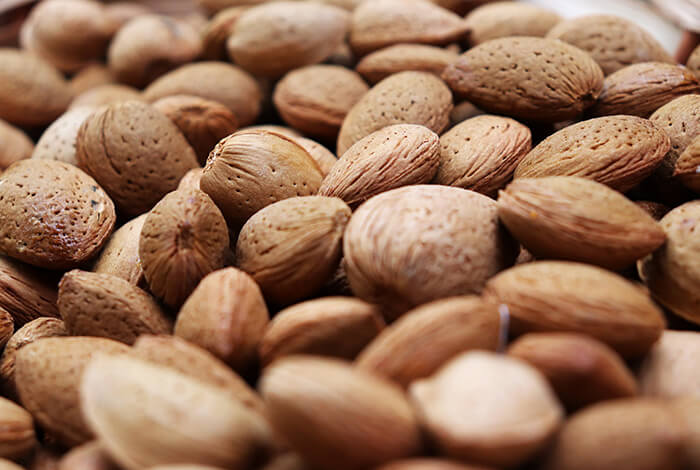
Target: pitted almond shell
{"x":679,"y":120}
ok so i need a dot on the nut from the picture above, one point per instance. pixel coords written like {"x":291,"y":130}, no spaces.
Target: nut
{"x":378,"y":65}
{"x":16,"y":145}
{"x":503,"y":19}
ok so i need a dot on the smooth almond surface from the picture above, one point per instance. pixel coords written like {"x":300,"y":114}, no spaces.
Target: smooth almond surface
{"x":502,"y":19}
{"x":669,"y":369}
{"x":120,"y":256}
{"x":26,"y":292}
{"x":17,"y":437}
{"x":403,"y":57}
{"x":16,"y":145}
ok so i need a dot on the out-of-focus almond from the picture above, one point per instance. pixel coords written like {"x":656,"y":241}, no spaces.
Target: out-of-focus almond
{"x":90,"y":456}
{"x":502,"y":19}
{"x":426,"y":463}
{"x":378,"y":65}
{"x":670,"y":368}
{"x":102,"y":95}
{"x":218,"y":30}
{"x":15,"y":145}
{"x":90,"y":77}
{"x":17,"y":438}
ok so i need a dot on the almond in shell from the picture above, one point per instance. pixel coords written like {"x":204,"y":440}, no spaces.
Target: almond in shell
{"x":502,"y":19}
{"x":15,"y":145}
{"x":670,"y":369}
{"x":91,"y":76}
{"x":694,"y":62}
{"x":17,"y":437}
{"x":680,"y":120}
{"x":688,"y":165}
{"x":120,"y":256}
{"x":380,"y":64}
{"x":110,"y":93}
{"x":90,"y":456}
{"x":58,"y":141}
{"x":218,"y":30}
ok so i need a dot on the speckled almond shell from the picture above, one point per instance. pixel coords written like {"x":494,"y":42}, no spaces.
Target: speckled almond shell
{"x":226,"y":315}
{"x":389,"y":158}
{"x":403,"y":98}
{"x":109,"y":93}
{"x":680,"y":120}
{"x":688,"y":164}
{"x":254,"y":168}
{"x":106,"y":306}
{"x":576,"y":219}
{"x":183,"y":239}
{"x":33,"y":92}
{"x":215,"y":81}
{"x":673,"y":273}
{"x":315,"y":99}
{"x":459,"y":246}
{"x":16,"y":145}
{"x":203,"y":122}
{"x":59,"y":139}
{"x":292,"y":247}
{"x":218,"y":30}
{"x":641,"y":89}
{"x":135,"y":152}
{"x":378,"y":65}
{"x":578,"y":298}
{"x":381,"y":23}
{"x":120,"y":256}
{"x":528,"y":78}
{"x":57,"y":217}
{"x":612,"y":41}
{"x":48,"y":373}
{"x":503,"y":19}
{"x":323,"y":157}
{"x":619,"y":151}
{"x":482,"y":153}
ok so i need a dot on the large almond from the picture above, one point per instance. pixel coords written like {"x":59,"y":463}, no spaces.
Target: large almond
{"x":16,"y":145}
{"x":378,"y":65}
{"x":120,"y":256}
{"x":573,"y":297}
{"x":528,"y":78}
{"x":26,"y":292}
{"x":7,"y":327}
{"x":670,"y":369}
{"x":502,"y":19}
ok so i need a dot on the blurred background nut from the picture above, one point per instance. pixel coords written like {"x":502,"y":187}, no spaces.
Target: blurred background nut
{"x":91,"y":76}
{"x":106,"y":94}
{"x":669,"y":370}
{"x":503,"y":19}
{"x":15,"y":145}
{"x":17,"y":438}
{"x":380,"y":64}
{"x":217,"y":32}
{"x":89,"y":456}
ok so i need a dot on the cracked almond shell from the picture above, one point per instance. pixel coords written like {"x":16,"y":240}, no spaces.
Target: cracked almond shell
{"x":380,"y":64}
{"x":502,"y":19}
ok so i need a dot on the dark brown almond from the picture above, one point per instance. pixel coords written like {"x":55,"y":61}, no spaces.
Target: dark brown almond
{"x":58,"y":141}
{"x":15,"y":145}
{"x":120,"y":256}
{"x":503,"y":19}
{"x":378,"y":65}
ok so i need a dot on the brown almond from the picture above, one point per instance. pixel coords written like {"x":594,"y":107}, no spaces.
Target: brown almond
{"x":215,"y":81}
{"x":463,"y":111}
{"x":482,"y":153}
{"x":7,"y":327}
{"x":404,"y":98}
{"x":378,"y":65}
{"x":571,"y":218}
{"x":183,"y":239}
{"x":15,"y":145}
{"x":694,"y":62}
{"x":26,"y":292}
{"x":226,"y":315}
{"x":316,"y":98}
{"x":58,"y":141}
{"x":391,"y":263}
{"x":688,"y":164}
{"x":647,"y":435}
{"x":679,"y":120}
{"x":612,"y":41}
{"x":323,"y":157}
{"x":203,"y":122}
{"x":48,"y":372}
{"x":425,"y":338}
{"x":17,"y":438}
{"x":57,"y":216}
{"x":427,"y":463}
{"x":321,"y":405}
{"x":102,"y":95}
{"x":191,"y":179}
{"x":655,"y":209}
{"x":508,"y":76}
{"x":688,"y":409}
{"x":618,"y":151}
{"x":570,"y":297}
{"x":44,"y":458}
{"x":331,"y":326}
{"x":291,"y":247}
{"x":120,"y":256}
{"x":254,"y":168}
{"x":670,"y":368}
{"x":218,"y":30}
{"x":271,"y":39}
{"x":381,"y":23}
{"x":90,"y":77}
{"x":641,"y":89}
{"x":469,"y":414}
{"x":395,"y":156}
{"x":89,"y":456}
{"x":502,"y":19}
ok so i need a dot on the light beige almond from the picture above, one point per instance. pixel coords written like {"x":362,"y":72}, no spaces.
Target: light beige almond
{"x":670,"y":369}
{"x":378,"y":65}
{"x":90,"y":77}
{"x":89,"y":456}
{"x":15,"y":145}
{"x":17,"y":437}
{"x":110,"y":93}
{"x":120,"y":256}
{"x":58,"y":141}
{"x":688,"y":166}
{"x":502,"y":19}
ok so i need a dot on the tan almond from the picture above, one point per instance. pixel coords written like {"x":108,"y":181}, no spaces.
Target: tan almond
{"x":679,"y":120}
{"x":120,"y":256}
{"x":482,"y":153}
{"x":323,"y":157}
{"x":688,"y":409}
{"x":694,"y":62}
{"x":571,"y":218}
{"x":331,"y":326}
{"x":26,"y":292}
{"x":469,"y":414}
{"x":618,"y":151}
{"x":404,"y":98}
{"x":463,"y":111}
{"x":550,"y":296}
{"x":502,"y":19}
{"x":9,"y":465}
{"x":7,"y":327}
{"x":508,"y":76}
{"x":89,"y":456}
{"x":90,"y":77}
{"x":425,"y":338}
{"x":380,"y":64}
{"x":102,"y":95}
{"x":58,"y":142}
{"x":427,"y":463}
{"x":688,"y":164}
{"x":15,"y":145}
{"x":218,"y":30}
{"x":669,"y":370}
{"x":321,"y":405}
{"x":17,"y":438}
{"x":191,"y":179}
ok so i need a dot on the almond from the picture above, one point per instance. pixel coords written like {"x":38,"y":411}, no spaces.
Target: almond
{"x":502,"y":19}
{"x":218,"y":30}
{"x":27,"y":293}
{"x":57,"y":216}
{"x":571,"y":218}
{"x":688,"y":409}
{"x":619,"y":151}
{"x":226,"y":315}
{"x":578,"y":298}
{"x":48,"y":372}
{"x":670,"y":368}
{"x":7,"y":327}
{"x":16,"y":145}
{"x":463,"y":111}
{"x":292,"y":247}
{"x":321,"y":405}
{"x":315,"y":99}
{"x":59,"y":140}
{"x":9,"y":465}
{"x":183,"y":239}
{"x":694,"y":62}
{"x":272,"y":39}
{"x":381,"y":23}
{"x":17,"y":437}
{"x":110,"y":93}
{"x":276,"y":129}
{"x":136,"y":152}
{"x":425,"y":338}
{"x":612,"y":41}
{"x":482,"y":153}
{"x":254,"y":168}
{"x":203,"y":122}
{"x":149,"y":46}
{"x":688,"y":164}
{"x":378,"y":65}
{"x":679,"y":120}
{"x":191,"y":179}
{"x":469,"y":414}
{"x":404,"y":98}
{"x":647,"y":436}
{"x":459,"y":245}
{"x":215,"y":81}
{"x":323,"y":157}
{"x":91,"y":76}
{"x":120,"y":256}
{"x":672,"y":272}
{"x":426,"y":463}
{"x":395,"y":156}
{"x":332,"y":326}
{"x":508,"y":76}
{"x":88,"y":456}
{"x":143,"y":417}
{"x":641,"y":89}
{"x":33,"y":93}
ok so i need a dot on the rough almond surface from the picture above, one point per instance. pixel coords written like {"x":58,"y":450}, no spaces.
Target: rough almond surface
{"x":16,"y":145}
{"x":502,"y":19}
{"x":527,"y":78}
{"x":58,"y":142}
{"x":120,"y":256}
{"x":403,"y":57}
{"x":680,"y":120}
{"x":669,"y":370}
{"x":688,"y":164}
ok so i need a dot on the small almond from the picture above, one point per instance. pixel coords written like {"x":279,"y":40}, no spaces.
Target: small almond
{"x":679,"y":120}
{"x":378,"y":65}
{"x":120,"y":256}
{"x":502,"y":19}
{"x":102,"y":95}
{"x":90,"y":456}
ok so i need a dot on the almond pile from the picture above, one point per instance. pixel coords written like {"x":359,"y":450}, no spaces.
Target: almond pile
{"x":346,"y":235}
